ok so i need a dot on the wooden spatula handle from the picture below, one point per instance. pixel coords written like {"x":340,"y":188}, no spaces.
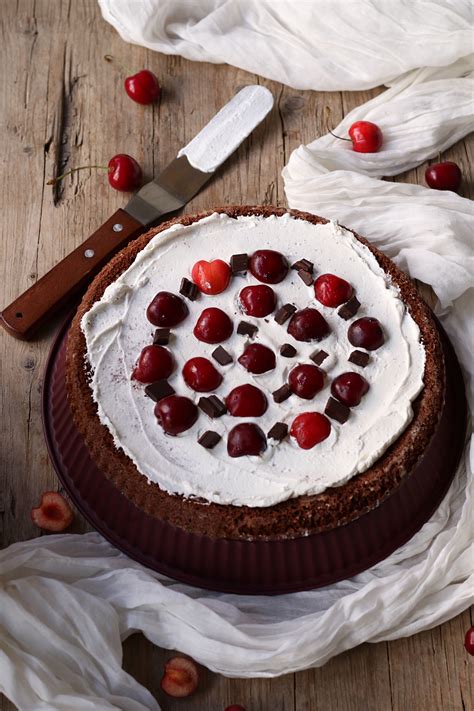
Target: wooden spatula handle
{"x":38,"y":303}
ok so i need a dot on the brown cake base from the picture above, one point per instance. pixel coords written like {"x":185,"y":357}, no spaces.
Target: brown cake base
{"x":290,"y":519}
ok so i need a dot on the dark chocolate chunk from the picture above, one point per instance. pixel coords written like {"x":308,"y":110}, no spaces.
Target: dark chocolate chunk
{"x":188,"y":289}
{"x":284,"y":313}
{"x":209,"y":439}
{"x":239,"y":263}
{"x":287,"y":351}
{"x":305,"y":276}
{"x":247,"y":329}
{"x":220,"y":354}
{"x":278,"y":431}
{"x":158,"y":390}
{"x":303,"y":265}
{"x":349,"y":309}
{"x":161,"y":337}
{"x":212,"y":406}
{"x":282,"y":393}
{"x":337,"y":411}
{"x":359,"y":358}
{"x":318,"y":356}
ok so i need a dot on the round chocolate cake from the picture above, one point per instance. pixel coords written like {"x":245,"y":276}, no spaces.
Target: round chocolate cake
{"x":254,"y":373}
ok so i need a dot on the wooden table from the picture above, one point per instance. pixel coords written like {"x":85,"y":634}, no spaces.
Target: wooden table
{"x":64,"y":106}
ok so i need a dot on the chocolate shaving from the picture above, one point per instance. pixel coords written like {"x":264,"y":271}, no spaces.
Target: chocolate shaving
{"x":161,"y":337}
{"x":359,"y":358}
{"x":305,"y":276}
{"x":239,"y":263}
{"x":247,"y":329}
{"x":287,"y":350}
{"x":349,"y":309}
{"x":303,"y":265}
{"x":337,"y":411}
{"x":282,"y":393}
{"x":284,"y":313}
{"x":212,"y":406}
{"x":159,"y":390}
{"x":188,"y":289}
{"x":220,"y":354}
{"x":209,"y":439}
{"x":279,"y":431}
{"x":318,"y":357}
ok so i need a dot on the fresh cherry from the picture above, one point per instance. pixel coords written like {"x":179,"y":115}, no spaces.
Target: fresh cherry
{"x":180,"y":677}
{"x":306,"y":380}
{"x":200,"y":375}
{"x":213,"y":326}
{"x":176,"y":414}
{"x":469,"y":641}
{"x":310,"y":428}
{"x":246,"y":439}
{"x":143,"y":87}
{"x":366,"y":137}
{"x":166,"y":309}
{"x":234,"y":707}
{"x":349,"y":388}
{"x":211,"y":277}
{"x":246,"y":401}
{"x":331,"y":290}
{"x":443,"y":176}
{"x":308,"y":325}
{"x":258,"y":301}
{"x":268,"y":266}
{"x":257,"y":359}
{"x":123,"y":172}
{"x":366,"y":333}
{"x":53,"y":514}
{"x":154,"y":363}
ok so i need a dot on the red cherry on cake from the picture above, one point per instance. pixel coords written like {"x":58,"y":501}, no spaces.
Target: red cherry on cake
{"x":257,"y":359}
{"x":201,"y":375}
{"x":306,"y":380}
{"x":443,"y":176}
{"x":176,"y":414}
{"x":246,"y":401}
{"x":211,"y":277}
{"x":246,"y":439}
{"x":310,"y":428}
{"x":366,"y":333}
{"x":166,"y":309}
{"x":258,"y":301}
{"x":213,"y":326}
{"x":349,"y":388}
{"x":268,"y":266}
{"x":143,"y":87}
{"x":366,"y":137}
{"x":331,"y":290}
{"x":154,"y":363}
{"x":308,"y":325}
{"x":469,"y":641}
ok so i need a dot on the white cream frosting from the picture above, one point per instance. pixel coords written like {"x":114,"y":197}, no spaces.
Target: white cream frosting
{"x":116,"y":329}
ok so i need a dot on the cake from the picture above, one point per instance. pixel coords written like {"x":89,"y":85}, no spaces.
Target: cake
{"x":254,"y":373}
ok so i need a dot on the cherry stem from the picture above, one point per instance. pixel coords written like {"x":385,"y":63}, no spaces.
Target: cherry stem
{"x":56,"y":180}
{"x":109,"y":58}
{"x":339,"y":137}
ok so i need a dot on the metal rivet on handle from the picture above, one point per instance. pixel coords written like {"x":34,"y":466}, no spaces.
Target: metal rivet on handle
{"x":117,"y":227}
{"x":89,"y":253}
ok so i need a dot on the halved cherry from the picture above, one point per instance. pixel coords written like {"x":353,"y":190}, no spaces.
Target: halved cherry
{"x":180,"y":678}
{"x":201,"y":375}
{"x":166,"y":309}
{"x":306,"y":380}
{"x":211,"y":277}
{"x":308,"y":325}
{"x":257,"y":358}
{"x":154,"y":363}
{"x":53,"y":514}
{"x":268,"y":266}
{"x":213,"y":326}
{"x":331,"y":290}
{"x":310,"y":428}
{"x":246,"y":439}
{"x":258,"y":300}
{"x":366,"y":333}
{"x":349,"y":388}
{"x":246,"y":401}
{"x":176,"y":414}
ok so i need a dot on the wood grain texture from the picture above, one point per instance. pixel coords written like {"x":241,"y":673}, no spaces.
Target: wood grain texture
{"x":63,"y":106}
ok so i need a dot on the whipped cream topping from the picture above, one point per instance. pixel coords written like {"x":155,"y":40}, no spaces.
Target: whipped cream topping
{"x":116,"y":329}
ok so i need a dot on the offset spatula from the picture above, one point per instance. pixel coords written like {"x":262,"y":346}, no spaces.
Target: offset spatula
{"x":170,"y":191}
